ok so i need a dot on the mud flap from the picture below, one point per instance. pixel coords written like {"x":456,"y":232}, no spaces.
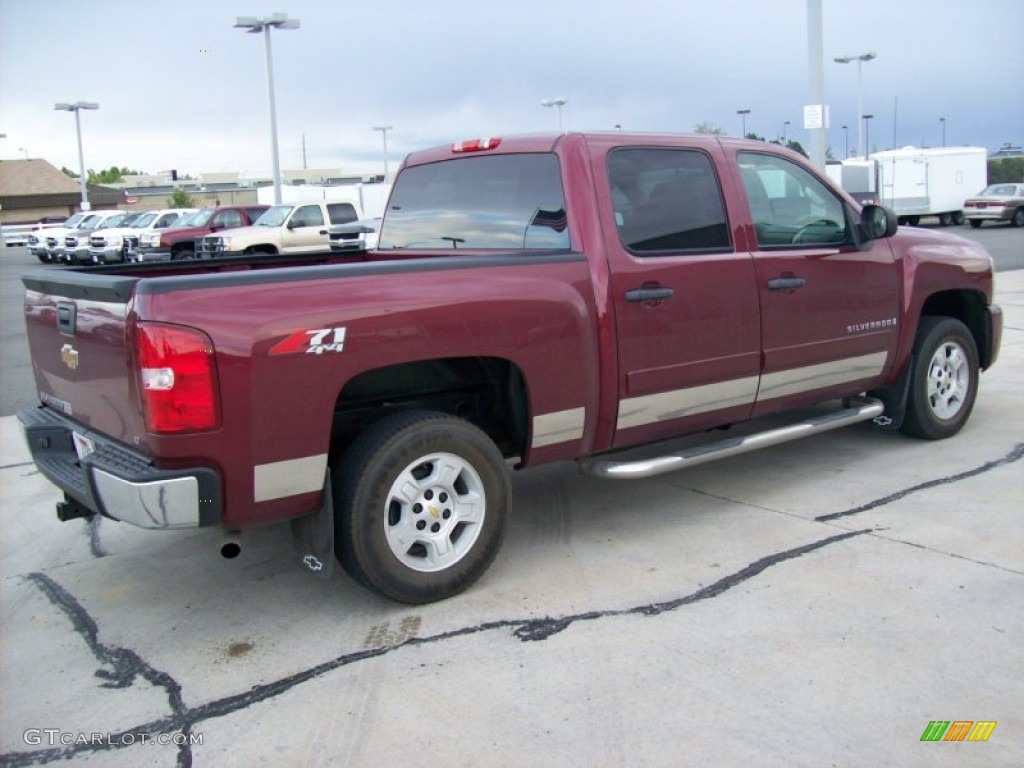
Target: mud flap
{"x":313,"y":536}
{"x":895,"y":399}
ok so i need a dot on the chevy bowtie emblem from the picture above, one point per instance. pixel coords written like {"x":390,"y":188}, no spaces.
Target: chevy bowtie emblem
{"x":70,"y":356}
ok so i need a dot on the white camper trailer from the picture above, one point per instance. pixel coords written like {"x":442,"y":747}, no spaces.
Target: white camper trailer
{"x":930,"y":182}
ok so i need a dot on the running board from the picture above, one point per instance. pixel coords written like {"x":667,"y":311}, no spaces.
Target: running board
{"x":857,"y":409}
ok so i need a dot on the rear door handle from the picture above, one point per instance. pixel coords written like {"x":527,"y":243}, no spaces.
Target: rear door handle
{"x":649,"y":294}
{"x":786,"y":283}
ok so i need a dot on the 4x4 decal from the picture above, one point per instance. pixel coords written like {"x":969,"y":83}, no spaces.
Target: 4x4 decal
{"x":316,"y":341}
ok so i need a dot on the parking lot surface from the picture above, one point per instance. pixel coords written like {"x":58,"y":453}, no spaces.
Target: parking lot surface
{"x":819,"y":603}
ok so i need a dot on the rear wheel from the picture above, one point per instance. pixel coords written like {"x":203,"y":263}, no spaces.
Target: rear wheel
{"x":1017,"y":220}
{"x":943,"y":379}
{"x":945,"y":219}
{"x":421,"y":500}
{"x":975,"y":223}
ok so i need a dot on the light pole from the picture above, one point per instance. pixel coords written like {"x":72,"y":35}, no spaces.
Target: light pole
{"x":255,"y":26}
{"x":743,"y":115}
{"x":867,"y":145}
{"x":77,"y":107}
{"x":785,"y":126}
{"x":384,"y":134}
{"x":943,"y":121}
{"x":846,"y":140}
{"x":559,"y":102}
{"x":860,"y":59}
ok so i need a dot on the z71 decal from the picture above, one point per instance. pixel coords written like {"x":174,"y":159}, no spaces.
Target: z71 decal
{"x":312,"y":342}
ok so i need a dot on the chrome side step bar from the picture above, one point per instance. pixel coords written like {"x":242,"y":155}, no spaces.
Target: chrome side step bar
{"x":857,"y":409}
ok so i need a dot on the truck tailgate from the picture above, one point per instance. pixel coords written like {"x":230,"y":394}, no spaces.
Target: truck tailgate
{"x":77,"y":336}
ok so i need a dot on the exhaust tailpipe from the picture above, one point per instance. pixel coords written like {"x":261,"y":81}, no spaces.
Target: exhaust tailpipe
{"x":231,"y":546}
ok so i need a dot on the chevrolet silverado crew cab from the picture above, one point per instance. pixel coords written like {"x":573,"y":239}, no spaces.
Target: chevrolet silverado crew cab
{"x":531,"y":300}
{"x":300,"y":228}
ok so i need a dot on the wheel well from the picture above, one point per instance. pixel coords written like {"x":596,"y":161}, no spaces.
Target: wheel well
{"x":969,"y":308}
{"x":266,"y":248}
{"x":488,"y":392}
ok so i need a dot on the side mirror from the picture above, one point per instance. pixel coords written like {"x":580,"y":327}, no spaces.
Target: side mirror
{"x":877,"y":222}
{"x":291,"y":224}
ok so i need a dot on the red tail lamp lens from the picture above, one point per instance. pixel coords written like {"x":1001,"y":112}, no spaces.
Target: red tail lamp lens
{"x":178,"y":377}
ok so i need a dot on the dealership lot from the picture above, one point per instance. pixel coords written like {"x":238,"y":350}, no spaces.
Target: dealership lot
{"x":818,"y":603}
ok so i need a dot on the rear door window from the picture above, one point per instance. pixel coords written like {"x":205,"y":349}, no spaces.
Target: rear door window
{"x":667,"y":201}
{"x":499,"y":202}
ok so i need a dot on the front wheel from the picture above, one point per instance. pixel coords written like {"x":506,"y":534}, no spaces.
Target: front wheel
{"x":943,"y":379}
{"x":421,"y":500}
{"x":1017,"y":220}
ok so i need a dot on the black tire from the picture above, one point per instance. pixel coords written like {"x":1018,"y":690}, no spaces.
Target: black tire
{"x":945,"y":219}
{"x":183,"y":254}
{"x":975,"y":223}
{"x":1017,"y":220}
{"x":913,"y":220}
{"x":958,"y":218}
{"x":943,"y":379}
{"x":391,"y":535}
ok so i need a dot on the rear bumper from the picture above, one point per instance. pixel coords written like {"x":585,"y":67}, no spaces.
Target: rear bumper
{"x":117,"y":482}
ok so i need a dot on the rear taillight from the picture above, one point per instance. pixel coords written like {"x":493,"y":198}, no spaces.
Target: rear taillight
{"x":178,"y":378}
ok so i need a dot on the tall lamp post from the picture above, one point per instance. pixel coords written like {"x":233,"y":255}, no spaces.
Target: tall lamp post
{"x":943,"y":121}
{"x":867,"y":145}
{"x":743,"y":115}
{"x":785,"y":126}
{"x":860,"y":59}
{"x":77,"y":107}
{"x":384,"y":134}
{"x":254,"y":25}
{"x":846,"y":140}
{"x":558,"y":102}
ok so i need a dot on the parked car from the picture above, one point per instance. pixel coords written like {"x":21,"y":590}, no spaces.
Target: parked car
{"x":112,"y":244}
{"x":178,"y":242}
{"x":532,"y":299}
{"x":360,"y":235}
{"x":53,"y":239}
{"x":996,"y":202}
{"x":300,"y":228}
{"x":36,"y":239}
{"x":76,"y":242}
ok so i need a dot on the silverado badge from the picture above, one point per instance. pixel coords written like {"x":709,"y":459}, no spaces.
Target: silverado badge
{"x":70,"y":356}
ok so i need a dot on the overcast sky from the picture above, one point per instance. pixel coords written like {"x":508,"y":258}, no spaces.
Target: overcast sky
{"x":178,"y":87}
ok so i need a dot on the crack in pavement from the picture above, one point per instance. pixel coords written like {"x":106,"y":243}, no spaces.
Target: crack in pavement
{"x":127,"y":665}
{"x":1014,"y":455}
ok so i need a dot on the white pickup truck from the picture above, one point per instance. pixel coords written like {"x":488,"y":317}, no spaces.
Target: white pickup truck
{"x":300,"y":228}
{"x":109,"y":245}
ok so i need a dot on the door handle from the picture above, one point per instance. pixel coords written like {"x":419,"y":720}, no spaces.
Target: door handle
{"x":786,"y":283}
{"x":649,"y":294}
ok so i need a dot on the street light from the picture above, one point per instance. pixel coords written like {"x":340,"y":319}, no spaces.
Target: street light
{"x":943,"y":121}
{"x":384,"y":134}
{"x":559,"y":102}
{"x":77,"y":107}
{"x":785,"y":126}
{"x":860,"y":59}
{"x":253,"y":25}
{"x":743,"y":115}
{"x":846,"y":138}
{"x":867,"y":145}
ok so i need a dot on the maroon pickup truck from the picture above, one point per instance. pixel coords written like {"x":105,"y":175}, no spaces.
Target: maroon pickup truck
{"x":531,"y":300}
{"x":178,"y":243}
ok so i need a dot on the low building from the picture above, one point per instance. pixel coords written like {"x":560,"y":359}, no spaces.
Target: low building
{"x":33,"y":189}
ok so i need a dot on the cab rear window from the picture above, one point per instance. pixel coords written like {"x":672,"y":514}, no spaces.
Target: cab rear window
{"x":499,"y":202}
